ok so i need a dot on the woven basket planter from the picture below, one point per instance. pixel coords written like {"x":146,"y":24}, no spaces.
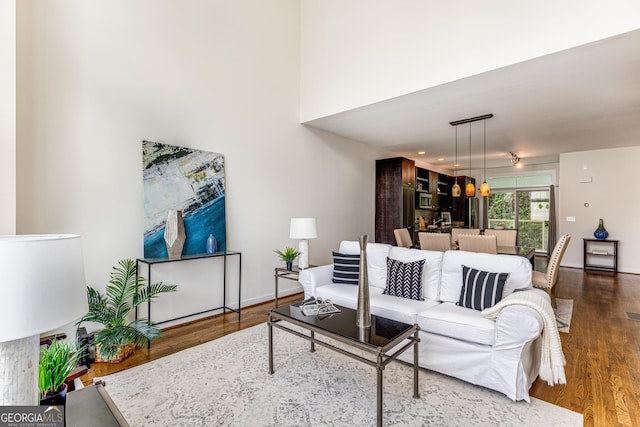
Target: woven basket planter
{"x":125,"y":351}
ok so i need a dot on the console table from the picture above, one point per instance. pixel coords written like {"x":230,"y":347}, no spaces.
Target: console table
{"x":224,"y":254}
{"x":589,"y":254}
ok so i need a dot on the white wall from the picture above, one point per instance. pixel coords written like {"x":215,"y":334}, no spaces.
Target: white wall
{"x":358,"y":52}
{"x":610,"y":196}
{"x":97,"y":77}
{"x":8,"y":117}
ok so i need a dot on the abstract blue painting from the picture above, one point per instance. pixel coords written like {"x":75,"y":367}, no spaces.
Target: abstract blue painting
{"x":188,"y":180}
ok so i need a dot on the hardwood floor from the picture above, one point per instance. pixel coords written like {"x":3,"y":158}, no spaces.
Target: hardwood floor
{"x":602,"y":348}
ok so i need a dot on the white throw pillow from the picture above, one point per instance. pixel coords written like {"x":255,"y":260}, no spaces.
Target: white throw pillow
{"x":519,"y":269}
{"x":376,"y":260}
{"x":431,"y":272}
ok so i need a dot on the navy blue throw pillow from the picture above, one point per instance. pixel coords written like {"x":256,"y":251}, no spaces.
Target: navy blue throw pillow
{"x":346,"y":268}
{"x":404,"y":280}
{"x":481,"y":289}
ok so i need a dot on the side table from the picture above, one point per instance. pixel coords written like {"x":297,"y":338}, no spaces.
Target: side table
{"x":283,"y":273}
{"x":604,"y":249}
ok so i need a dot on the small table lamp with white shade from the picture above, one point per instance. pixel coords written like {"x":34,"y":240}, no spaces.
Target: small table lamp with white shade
{"x":303,"y":229}
{"x":43,"y":287}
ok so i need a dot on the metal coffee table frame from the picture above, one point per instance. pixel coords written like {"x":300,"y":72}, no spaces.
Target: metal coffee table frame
{"x":382,"y":358}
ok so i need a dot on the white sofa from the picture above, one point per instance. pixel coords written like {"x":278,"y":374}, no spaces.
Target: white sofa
{"x":501,"y":354}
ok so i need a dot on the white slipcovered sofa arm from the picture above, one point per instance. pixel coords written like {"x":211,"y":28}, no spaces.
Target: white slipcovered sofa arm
{"x":312,"y":278}
{"x":515,"y":326}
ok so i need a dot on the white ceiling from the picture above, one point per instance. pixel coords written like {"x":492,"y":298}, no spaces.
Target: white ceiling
{"x":585,"y":98}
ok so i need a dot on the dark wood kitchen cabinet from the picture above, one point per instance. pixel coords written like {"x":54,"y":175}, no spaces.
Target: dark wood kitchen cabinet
{"x":395,"y":197}
{"x":460,"y":206}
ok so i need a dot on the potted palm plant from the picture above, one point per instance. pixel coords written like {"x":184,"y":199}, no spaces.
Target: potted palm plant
{"x":124,"y":292}
{"x":56,"y":363}
{"x":288,"y":255}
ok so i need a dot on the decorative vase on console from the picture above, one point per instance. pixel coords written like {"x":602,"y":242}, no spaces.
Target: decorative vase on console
{"x":174,"y":234}
{"x":363,"y":317}
{"x":601,"y":233}
{"x":212,"y":244}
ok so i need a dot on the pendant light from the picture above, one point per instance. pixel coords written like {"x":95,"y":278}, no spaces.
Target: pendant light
{"x":470,"y":189}
{"x":456,"y":190}
{"x":484,"y":188}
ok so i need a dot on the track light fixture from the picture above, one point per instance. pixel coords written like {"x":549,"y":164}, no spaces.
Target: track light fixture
{"x":515,"y":160}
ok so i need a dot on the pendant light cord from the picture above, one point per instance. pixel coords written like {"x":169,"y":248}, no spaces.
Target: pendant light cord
{"x":469,"y":149}
{"x":456,"y":165}
{"x":485,"y":150}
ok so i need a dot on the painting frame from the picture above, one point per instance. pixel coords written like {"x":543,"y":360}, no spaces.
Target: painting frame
{"x":446,"y":218}
{"x":189,"y":180}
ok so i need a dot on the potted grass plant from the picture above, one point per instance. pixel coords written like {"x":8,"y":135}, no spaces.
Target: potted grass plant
{"x":57,"y":360}
{"x":288,"y":255}
{"x":124,"y":292}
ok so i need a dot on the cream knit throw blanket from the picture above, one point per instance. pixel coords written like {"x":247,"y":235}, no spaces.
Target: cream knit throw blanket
{"x":552,"y":358}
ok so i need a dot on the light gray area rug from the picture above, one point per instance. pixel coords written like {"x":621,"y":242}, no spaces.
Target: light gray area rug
{"x":563,"y":314}
{"x":225,"y":382}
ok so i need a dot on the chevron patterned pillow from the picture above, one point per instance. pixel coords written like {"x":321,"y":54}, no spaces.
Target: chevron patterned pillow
{"x":481,"y":289}
{"x":404,"y":280}
{"x":346,"y":268}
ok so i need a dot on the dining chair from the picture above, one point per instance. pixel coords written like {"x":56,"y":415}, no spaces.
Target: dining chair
{"x":435,"y":241}
{"x":455,"y":232}
{"x":548,"y":279}
{"x":403,"y":238}
{"x":475,"y":243}
{"x":505,"y":237}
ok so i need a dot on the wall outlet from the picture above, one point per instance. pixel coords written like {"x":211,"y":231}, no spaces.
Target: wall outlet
{"x":571,"y":219}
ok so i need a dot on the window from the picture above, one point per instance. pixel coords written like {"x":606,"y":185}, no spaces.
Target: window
{"x":522,"y":202}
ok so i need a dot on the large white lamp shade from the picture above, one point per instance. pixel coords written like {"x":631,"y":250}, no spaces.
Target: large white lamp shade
{"x":303,"y":229}
{"x":42,"y":287}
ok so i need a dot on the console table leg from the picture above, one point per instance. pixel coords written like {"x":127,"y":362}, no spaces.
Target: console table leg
{"x":313,"y":344}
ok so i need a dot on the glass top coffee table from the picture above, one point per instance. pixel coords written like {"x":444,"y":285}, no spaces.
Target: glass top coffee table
{"x":384,"y":340}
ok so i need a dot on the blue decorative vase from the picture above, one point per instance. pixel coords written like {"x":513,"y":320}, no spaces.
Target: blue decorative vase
{"x":600,"y":232}
{"x":212,"y":244}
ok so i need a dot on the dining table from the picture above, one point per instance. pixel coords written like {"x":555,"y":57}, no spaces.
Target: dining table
{"x":523,"y":251}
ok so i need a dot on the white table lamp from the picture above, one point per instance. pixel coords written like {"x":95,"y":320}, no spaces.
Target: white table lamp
{"x":303,"y":229}
{"x":43,"y":287}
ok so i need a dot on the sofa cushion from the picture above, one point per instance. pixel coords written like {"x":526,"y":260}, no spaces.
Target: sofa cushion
{"x":400,"y":309}
{"x":404,"y":280}
{"x":376,"y":260}
{"x":481,"y":289}
{"x":344,"y":295}
{"x":346,"y":268}
{"x":431,"y":270}
{"x":457,"y":322}
{"x":519,"y":269}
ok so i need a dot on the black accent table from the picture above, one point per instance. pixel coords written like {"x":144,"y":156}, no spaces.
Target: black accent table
{"x":92,"y":406}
